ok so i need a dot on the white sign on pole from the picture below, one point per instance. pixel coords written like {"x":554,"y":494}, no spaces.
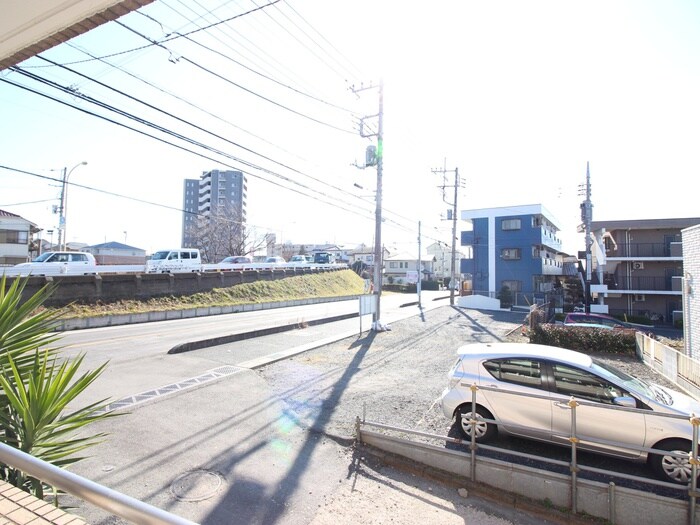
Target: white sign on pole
{"x":368,"y":305}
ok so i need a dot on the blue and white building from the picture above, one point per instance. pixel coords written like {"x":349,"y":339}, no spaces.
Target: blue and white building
{"x":513,"y":246}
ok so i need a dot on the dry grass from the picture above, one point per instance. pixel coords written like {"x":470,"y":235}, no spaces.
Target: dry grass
{"x":328,"y":284}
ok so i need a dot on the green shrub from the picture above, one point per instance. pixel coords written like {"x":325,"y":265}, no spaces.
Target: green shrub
{"x":583,"y":339}
{"x":430,"y":285}
{"x":636,"y":319}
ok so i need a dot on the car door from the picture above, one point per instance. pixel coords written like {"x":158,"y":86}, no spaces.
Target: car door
{"x":520,"y":415}
{"x":597,"y":421}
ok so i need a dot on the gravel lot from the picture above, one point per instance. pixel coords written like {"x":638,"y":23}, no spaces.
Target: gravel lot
{"x":398,"y":376}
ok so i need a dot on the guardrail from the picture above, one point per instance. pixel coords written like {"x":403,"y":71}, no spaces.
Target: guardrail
{"x":574,"y":438}
{"x":51,"y":269}
{"x":116,"y":503}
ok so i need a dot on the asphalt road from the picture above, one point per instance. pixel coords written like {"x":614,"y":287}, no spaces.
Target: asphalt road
{"x":138,"y":354}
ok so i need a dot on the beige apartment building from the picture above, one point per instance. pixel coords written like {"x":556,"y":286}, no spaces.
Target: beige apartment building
{"x":638,"y":267}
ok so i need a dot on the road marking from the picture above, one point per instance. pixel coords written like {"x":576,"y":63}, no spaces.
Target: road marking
{"x":137,"y":399}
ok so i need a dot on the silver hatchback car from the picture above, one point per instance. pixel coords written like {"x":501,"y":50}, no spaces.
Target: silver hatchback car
{"x":554,"y":375}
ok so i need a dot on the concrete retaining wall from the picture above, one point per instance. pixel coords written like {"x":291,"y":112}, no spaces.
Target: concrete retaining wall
{"x":113,"y":287}
{"x":148,"y":317}
{"x":629,"y":507}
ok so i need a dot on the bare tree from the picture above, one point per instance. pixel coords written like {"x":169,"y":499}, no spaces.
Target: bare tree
{"x":222,"y":234}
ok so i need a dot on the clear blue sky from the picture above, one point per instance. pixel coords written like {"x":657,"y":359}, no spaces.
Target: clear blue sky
{"x":517,"y":95}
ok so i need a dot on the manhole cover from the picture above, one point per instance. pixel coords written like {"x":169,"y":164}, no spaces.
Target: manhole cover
{"x":197,"y":485}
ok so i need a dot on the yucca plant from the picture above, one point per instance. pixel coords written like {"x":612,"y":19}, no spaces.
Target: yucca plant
{"x":36,"y":387}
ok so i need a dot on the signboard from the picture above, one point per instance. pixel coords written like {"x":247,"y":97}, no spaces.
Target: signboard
{"x":368,"y":304}
{"x":412,"y":277}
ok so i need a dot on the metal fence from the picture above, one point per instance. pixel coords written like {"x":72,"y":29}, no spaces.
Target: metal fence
{"x":673,"y":364}
{"x":642,"y":249}
{"x":574,"y":438}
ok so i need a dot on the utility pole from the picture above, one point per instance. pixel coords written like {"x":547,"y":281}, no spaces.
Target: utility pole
{"x":378,"y":160}
{"x":420,"y":270}
{"x":586,"y":218}
{"x":61,"y":205}
{"x":453,"y":214}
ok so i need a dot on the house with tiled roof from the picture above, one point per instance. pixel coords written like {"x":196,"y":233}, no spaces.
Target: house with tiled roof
{"x":15,"y":238}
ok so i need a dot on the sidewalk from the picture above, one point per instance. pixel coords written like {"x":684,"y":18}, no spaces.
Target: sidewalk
{"x":20,"y":508}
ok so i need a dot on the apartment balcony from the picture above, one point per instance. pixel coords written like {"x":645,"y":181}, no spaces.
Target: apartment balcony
{"x":642,"y":284}
{"x":549,"y":238}
{"x":646,"y":250}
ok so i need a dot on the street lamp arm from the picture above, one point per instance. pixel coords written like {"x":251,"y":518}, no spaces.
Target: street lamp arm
{"x":64,"y":206}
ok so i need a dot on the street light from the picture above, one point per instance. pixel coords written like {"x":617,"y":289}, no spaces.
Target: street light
{"x":63,"y":207}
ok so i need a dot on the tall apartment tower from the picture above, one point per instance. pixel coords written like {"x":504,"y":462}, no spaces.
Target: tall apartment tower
{"x":215,"y":193}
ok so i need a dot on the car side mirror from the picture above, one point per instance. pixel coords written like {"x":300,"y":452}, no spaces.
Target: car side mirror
{"x":627,"y":402}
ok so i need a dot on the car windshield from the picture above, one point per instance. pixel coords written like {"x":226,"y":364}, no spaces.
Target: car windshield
{"x":618,"y":376}
{"x":43,"y":257}
{"x":159,"y":256}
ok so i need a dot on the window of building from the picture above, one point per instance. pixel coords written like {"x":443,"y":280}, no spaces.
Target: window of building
{"x":14,"y":237}
{"x":510,"y":224}
{"x":393,"y":265}
{"x":514,"y":286}
{"x":510,"y":254}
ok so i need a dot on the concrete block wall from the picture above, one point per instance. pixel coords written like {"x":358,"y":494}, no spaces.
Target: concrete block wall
{"x":624,"y":506}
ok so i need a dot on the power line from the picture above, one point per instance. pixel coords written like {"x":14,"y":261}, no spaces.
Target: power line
{"x":229,"y":81}
{"x":261,"y":57}
{"x":297,"y":39}
{"x":183,"y":100}
{"x":359,"y":75}
{"x":334,"y":203}
{"x":177,"y":135}
{"x":266,"y":77}
{"x":273,"y":2}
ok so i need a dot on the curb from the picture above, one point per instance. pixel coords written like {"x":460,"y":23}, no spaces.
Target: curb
{"x":205,"y":343}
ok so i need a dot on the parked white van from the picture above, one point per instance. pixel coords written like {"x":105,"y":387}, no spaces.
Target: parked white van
{"x":56,"y":263}
{"x":176,"y":260}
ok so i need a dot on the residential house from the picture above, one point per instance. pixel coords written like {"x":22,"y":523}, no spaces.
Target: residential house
{"x":442,"y":254}
{"x":404,"y":268}
{"x":638,"y":267}
{"x":514,"y":247}
{"x":116,"y":253}
{"x":15,"y":238}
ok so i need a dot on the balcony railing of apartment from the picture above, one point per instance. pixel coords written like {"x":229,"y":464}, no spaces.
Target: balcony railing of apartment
{"x":658,"y":284}
{"x":644,"y":249}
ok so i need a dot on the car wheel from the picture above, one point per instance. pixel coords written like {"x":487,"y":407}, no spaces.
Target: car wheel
{"x":483,"y":431}
{"x":670,"y":468}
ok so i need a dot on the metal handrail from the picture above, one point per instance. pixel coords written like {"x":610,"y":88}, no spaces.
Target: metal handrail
{"x":119,"y":504}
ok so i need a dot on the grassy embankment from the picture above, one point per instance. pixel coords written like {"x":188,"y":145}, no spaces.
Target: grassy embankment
{"x":330,"y":284}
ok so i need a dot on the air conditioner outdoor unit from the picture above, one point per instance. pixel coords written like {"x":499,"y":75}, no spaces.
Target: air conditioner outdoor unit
{"x":639,"y":298}
{"x":637,"y":265}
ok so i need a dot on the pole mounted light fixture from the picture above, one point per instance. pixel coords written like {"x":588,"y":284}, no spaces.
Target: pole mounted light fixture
{"x":63,"y":207}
